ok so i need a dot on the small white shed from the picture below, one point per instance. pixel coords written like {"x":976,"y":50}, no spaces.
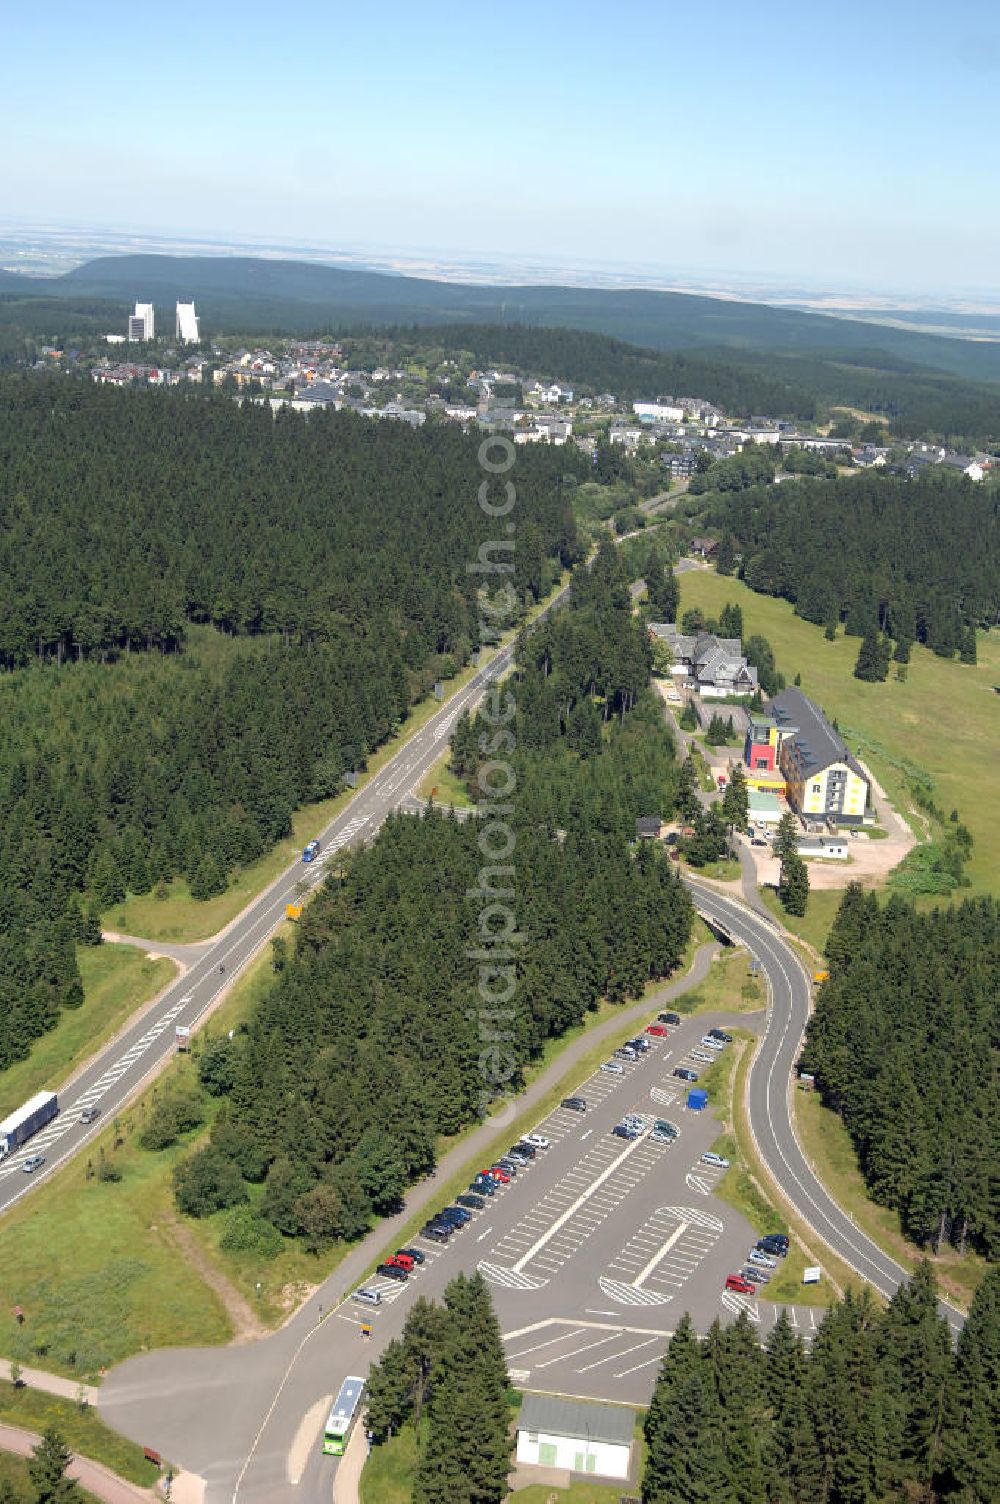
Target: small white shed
{"x":573,"y":1434}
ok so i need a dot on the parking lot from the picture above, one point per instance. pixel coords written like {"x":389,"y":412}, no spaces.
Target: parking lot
{"x":595,"y":1249}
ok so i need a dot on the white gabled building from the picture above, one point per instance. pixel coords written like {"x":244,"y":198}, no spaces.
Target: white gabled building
{"x":575,"y":1434}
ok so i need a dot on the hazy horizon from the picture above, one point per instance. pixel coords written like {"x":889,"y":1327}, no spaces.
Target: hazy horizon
{"x":762,"y":149}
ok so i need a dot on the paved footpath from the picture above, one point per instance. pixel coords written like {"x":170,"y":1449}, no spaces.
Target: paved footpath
{"x":92,"y":1476}
{"x":51,"y":1383}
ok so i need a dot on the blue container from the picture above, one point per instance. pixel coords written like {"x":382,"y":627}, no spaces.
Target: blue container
{"x":697,"y":1098}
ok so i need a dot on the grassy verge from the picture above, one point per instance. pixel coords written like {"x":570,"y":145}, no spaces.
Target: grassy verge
{"x":728,"y":987}
{"x":80,"y":1428}
{"x":743,"y":1187}
{"x":814,"y":925}
{"x":896,"y":726}
{"x":442,"y":785}
{"x":388,"y":1475}
{"x":827,"y":1145}
{"x":94,"y":1264}
{"x":117,"y":980}
{"x":726,"y":870}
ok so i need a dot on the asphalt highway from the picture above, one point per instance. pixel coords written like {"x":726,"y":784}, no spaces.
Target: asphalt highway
{"x":769,"y":1089}
{"x":120,"y":1069}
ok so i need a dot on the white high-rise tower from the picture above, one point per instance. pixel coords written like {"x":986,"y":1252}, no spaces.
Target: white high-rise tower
{"x":186,"y":329}
{"x":141,"y":323}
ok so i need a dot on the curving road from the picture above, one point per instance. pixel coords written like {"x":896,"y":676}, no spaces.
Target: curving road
{"x":769,"y":1088}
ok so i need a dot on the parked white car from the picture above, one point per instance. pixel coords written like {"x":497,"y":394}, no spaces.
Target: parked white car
{"x":613,"y":1068}
{"x":712,"y":1044}
{"x":536,"y":1140}
{"x":764,"y":1260}
{"x":708,"y":1158}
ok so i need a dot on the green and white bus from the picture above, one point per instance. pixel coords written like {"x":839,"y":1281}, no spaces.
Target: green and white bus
{"x":343,"y":1415}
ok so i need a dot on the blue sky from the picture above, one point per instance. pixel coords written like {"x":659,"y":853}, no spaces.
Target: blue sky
{"x":839,"y":146}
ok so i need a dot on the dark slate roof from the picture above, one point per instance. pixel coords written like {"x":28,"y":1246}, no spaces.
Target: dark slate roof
{"x":648,"y":825}
{"x":545,"y":1412}
{"x":815,"y":740}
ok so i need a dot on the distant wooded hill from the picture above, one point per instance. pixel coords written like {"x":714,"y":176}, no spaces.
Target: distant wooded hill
{"x":243,"y":292}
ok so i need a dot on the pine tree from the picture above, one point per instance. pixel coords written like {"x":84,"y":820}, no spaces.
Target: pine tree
{"x":873,"y":658}
{"x":786,"y":837}
{"x":688,"y":802}
{"x":47,"y":1471}
{"x":793,"y":885}
{"x":736,"y":800}
{"x":916,"y":1377}
{"x":967,"y":645}
{"x":731,"y":621}
{"x":973,"y":1438}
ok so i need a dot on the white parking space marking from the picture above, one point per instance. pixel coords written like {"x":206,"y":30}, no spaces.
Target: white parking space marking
{"x":617,"y":1356}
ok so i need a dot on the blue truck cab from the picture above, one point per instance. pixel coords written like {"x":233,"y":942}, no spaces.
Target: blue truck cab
{"x":310,"y":852}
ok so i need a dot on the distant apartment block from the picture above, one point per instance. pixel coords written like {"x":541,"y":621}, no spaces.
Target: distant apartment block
{"x":141,"y":324}
{"x":186,"y":324}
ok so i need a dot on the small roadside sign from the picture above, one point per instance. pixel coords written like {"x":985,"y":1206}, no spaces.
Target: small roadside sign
{"x":812,"y":1275}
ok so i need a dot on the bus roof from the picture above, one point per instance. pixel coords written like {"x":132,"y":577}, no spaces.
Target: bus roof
{"x":17,"y":1118}
{"x":345,"y":1404}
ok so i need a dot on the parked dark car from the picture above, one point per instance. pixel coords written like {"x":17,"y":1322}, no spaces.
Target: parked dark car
{"x":456,"y":1215}
{"x":414,"y":1254}
{"x":684,"y":1074}
{"x":575,"y":1104}
{"x":436,"y":1232}
{"x":669,"y":1018}
{"x":392,"y":1271}
{"x":471,"y":1200}
{"x":720,"y":1034}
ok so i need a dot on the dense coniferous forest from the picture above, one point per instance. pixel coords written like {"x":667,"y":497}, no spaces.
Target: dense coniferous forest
{"x":919,"y":559}
{"x":903,"y":1044}
{"x":879,"y":1409}
{"x":329,"y":556}
{"x":126,"y":515}
{"x":371,"y":1043}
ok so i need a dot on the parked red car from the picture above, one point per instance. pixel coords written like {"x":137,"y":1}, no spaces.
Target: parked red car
{"x":657,"y":1029}
{"x":495,"y":1173}
{"x":401,"y":1261}
{"x":740,"y":1285}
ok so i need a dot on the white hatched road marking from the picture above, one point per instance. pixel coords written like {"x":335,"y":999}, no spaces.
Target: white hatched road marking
{"x":736,"y":1303}
{"x":510,"y":1279}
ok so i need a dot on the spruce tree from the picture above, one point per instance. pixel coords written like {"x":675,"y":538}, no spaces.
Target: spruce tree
{"x":973,"y":1437}
{"x":736,"y":800}
{"x":793,"y":885}
{"x":47,"y":1471}
{"x":873,"y":658}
